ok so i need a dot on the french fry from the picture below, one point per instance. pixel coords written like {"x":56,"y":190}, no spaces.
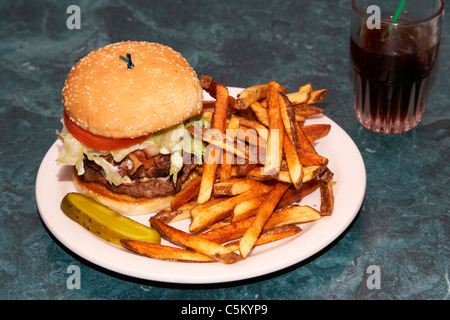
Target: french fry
{"x":162,"y":252}
{"x":226,"y":166}
{"x":301,"y":96}
{"x":265,"y":210}
{"x":326,"y":193}
{"x":183,"y":212}
{"x":228,"y":232}
{"x":269,"y":236}
{"x":189,"y":192}
{"x":300,"y":120}
{"x":220,"y":223}
{"x":235,"y":186}
{"x":203,"y":218}
{"x":305,"y":110}
{"x":294,"y":165}
{"x":261,"y":129}
{"x":308,"y":159}
{"x":316,"y":131}
{"x":303,"y":141}
{"x":294,"y":195}
{"x":209,"y":174}
{"x":212,"y":159}
{"x":326,"y":175}
{"x":306,"y":95}
{"x":210,"y":86}
{"x":276,"y":131}
{"x":197,"y":208}
{"x":318,"y":95}
{"x":284,"y":176}
{"x":327,"y":199}
{"x":208,"y":248}
{"x":292,"y":146}
{"x":307,"y":153}
{"x":277,"y":233}
{"x":309,"y":173}
{"x":224,"y":142}
{"x":264,"y":103}
{"x":250,"y":136}
{"x":243,"y":169}
{"x":260,"y":113}
{"x":251,"y":95}
{"x":293,"y":215}
{"x":245,"y":209}
{"x":288,"y":118}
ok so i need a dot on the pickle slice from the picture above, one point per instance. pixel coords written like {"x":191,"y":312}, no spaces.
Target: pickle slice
{"x":104,"y":222}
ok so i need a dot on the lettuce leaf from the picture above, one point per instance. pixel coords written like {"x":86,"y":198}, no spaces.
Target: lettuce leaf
{"x":186,"y":144}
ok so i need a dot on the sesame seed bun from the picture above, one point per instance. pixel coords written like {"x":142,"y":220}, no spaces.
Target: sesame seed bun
{"x":105,"y":97}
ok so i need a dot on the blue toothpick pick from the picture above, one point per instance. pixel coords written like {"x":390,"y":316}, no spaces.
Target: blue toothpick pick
{"x":130,"y":64}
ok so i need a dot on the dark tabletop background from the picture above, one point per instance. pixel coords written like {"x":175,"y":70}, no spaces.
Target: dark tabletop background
{"x":402,"y":227}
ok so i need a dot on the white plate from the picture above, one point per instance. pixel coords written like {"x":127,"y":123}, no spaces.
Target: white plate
{"x":53,"y":182}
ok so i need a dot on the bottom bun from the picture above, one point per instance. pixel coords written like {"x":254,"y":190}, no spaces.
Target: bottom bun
{"x":121,"y":203}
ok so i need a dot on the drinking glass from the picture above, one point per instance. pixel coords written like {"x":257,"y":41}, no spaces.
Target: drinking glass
{"x":393,"y":62}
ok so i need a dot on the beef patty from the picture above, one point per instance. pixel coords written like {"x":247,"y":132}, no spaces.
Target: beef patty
{"x":143,"y":176}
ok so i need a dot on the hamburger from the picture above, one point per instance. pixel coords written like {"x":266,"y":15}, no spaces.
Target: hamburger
{"x":126,"y":107}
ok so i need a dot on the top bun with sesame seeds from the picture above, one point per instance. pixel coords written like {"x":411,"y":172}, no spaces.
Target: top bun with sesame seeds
{"x":114,"y":99}
{"x":105,"y":97}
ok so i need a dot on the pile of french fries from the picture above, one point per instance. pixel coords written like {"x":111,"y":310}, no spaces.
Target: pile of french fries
{"x":246,"y":192}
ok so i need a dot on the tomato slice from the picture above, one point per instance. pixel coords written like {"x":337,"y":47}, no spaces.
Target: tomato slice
{"x":98,"y":142}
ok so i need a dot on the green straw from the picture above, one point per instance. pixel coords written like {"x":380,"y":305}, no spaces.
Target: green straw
{"x":387,"y":32}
